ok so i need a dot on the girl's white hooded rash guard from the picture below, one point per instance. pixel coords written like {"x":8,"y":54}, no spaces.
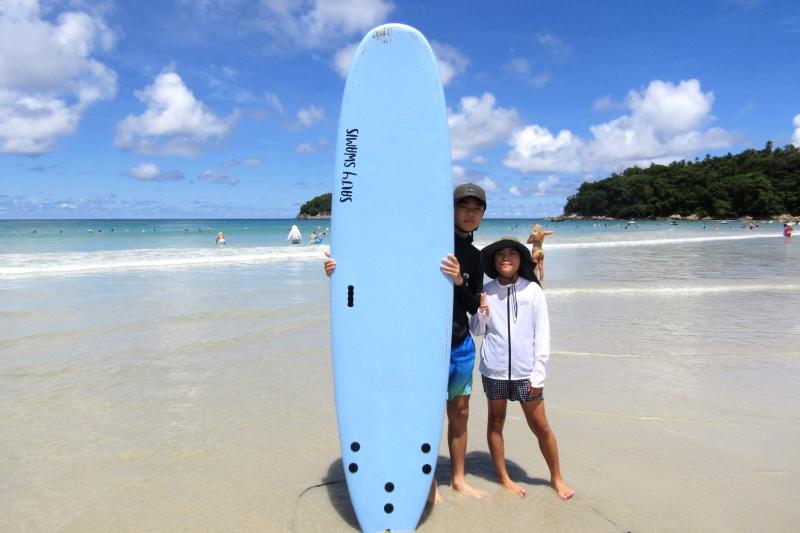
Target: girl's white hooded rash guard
{"x":516,"y":333}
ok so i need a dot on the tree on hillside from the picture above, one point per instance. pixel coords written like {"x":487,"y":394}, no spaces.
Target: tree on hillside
{"x":319,"y":205}
{"x":754,"y":182}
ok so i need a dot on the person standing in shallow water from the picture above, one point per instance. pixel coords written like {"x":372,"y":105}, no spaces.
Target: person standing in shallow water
{"x":536,"y":238}
{"x":294,"y":235}
{"x":464,"y":268}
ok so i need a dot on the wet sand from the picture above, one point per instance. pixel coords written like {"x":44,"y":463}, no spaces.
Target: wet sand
{"x":239,"y":441}
{"x":203,"y":401}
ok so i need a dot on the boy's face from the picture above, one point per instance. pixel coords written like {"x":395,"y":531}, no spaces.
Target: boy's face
{"x":506,"y":261}
{"x":468,"y":214}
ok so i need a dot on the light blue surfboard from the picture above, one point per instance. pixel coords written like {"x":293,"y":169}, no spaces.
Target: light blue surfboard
{"x":391,"y":307}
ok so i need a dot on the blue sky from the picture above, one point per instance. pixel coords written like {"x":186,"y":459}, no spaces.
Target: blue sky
{"x":228,"y":108}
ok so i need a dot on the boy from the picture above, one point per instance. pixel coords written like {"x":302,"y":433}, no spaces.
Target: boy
{"x":513,"y":319}
{"x":464,"y":268}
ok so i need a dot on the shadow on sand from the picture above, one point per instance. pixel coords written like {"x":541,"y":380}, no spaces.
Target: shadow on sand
{"x":478,"y":463}
{"x":340,"y":497}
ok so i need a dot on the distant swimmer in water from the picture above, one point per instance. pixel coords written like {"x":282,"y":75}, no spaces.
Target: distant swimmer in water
{"x":536,"y":238}
{"x":316,"y":238}
{"x":294,"y":235}
{"x":220,"y":238}
{"x":787,"y":231}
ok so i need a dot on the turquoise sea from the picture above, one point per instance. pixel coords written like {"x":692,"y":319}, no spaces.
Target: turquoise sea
{"x":151,"y":380}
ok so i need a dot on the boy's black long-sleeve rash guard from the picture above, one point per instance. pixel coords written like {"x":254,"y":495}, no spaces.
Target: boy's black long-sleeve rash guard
{"x":467,"y":296}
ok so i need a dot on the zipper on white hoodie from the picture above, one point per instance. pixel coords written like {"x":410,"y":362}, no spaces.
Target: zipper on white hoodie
{"x":508,"y":321}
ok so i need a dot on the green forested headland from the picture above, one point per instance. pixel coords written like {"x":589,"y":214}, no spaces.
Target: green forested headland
{"x":319,"y":206}
{"x":757,"y":183}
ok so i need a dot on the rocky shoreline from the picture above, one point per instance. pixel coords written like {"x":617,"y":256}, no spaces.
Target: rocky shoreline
{"x":693,"y":217}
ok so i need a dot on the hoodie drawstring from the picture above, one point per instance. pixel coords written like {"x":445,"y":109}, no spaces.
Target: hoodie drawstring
{"x":514,"y":300}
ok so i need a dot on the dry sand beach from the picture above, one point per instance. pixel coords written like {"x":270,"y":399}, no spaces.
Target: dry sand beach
{"x":201,"y":399}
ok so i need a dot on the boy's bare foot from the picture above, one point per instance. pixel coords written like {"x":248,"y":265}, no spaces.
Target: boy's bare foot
{"x":513,"y":488}
{"x":564,"y":492}
{"x":467,"y":490}
{"x":434,"y":495}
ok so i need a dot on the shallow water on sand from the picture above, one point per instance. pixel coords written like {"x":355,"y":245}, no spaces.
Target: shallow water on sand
{"x":198,"y":396}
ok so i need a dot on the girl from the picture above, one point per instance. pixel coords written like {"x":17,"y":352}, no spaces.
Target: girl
{"x":513,"y":318}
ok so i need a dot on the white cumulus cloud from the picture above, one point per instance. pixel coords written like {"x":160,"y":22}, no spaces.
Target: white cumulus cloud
{"x":522,"y":68}
{"x":535,"y":149}
{"x":148,"y":171}
{"x":553,"y":46}
{"x":450,"y":60}
{"x":463,"y":175}
{"x":488,"y":184}
{"x":479,"y":123}
{"x":343,"y":58}
{"x":310,"y":115}
{"x":665,"y":122}
{"x":174,"y":123}
{"x":320,"y":24}
{"x":545,"y":186}
{"x":606,"y":103}
{"x":48,"y":77}
{"x":796,"y":137}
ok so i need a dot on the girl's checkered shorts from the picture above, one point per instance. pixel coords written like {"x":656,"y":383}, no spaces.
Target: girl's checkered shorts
{"x":515,"y":390}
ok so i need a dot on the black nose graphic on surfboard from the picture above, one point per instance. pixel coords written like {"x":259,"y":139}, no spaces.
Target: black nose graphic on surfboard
{"x":350,"y":291}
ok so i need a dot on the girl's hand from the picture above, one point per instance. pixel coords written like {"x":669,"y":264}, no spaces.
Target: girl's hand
{"x":483,"y":308}
{"x":452,"y":268}
{"x":534,"y":391}
{"x":330,"y":264}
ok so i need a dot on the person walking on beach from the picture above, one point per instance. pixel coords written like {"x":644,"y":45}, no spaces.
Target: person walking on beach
{"x":787,"y":231}
{"x":513,"y":319}
{"x":464,"y":268}
{"x":537,"y":253}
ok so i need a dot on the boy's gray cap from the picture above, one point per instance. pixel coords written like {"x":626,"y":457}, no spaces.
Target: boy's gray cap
{"x":526,"y":263}
{"x":469,"y":190}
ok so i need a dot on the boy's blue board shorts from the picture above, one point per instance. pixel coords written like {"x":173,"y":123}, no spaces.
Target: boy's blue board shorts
{"x":462,"y":361}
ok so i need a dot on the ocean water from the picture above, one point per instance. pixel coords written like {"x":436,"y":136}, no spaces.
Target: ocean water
{"x":150,"y":379}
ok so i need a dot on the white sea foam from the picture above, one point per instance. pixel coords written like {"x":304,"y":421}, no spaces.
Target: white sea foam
{"x":75,"y":263}
{"x":567,"y":292}
{"x":645,"y":242}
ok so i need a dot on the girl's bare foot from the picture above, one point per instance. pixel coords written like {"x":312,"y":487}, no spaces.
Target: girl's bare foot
{"x":564,"y":492}
{"x":513,"y":488}
{"x":467,"y":490}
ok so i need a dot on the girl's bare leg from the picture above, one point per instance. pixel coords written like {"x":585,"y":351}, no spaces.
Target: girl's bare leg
{"x":537,"y":421}
{"x":494,"y":434}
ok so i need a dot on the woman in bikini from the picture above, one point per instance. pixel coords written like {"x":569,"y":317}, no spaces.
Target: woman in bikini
{"x":536,"y":238}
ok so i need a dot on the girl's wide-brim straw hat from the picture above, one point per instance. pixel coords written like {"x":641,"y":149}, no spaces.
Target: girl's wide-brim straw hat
{"x":526,"y":263}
